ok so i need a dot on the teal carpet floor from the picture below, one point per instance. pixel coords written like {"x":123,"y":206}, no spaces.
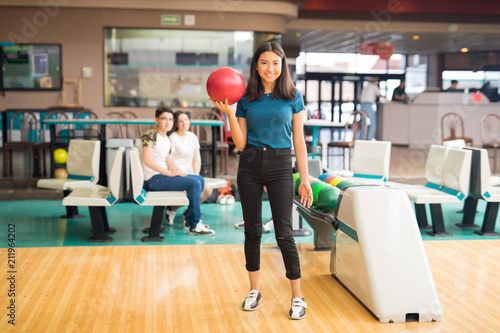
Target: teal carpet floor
{"x":37,"y":224}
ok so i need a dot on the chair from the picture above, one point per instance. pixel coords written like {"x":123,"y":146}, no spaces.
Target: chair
{"x":452,"y":128}
{"x":83,"y":171}
{"x":23,"y":132}
{"x":357,"y":121}
{"x":115,"y":131}
{"x":88,"y":132}
{"x":371,"y":161}
{"x":64,"y":133}
{"x":222,"y":146}
{"x":481,"y":188}
{"x":132,"y":131}
{"x":448,"y":177}
{"x":97,"y":198}
{"x":158,"y":199}
{"x":490,"y":135}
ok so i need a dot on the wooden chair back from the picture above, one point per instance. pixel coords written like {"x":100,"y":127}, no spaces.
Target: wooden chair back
{"x":90,"y":132}
{"x":27,"y":124}
{"x":115,"y":131}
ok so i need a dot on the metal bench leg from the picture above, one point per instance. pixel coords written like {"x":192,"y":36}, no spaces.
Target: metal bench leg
{"x":71,"y":211}
{"x":96,"y":217}
{"x":470,"y":207}
{"x":421,"y":214}
{"x":105,"y":221}
{"x":438,"y":229}
{"x":490,"y":218}
{"x":154,"y":230}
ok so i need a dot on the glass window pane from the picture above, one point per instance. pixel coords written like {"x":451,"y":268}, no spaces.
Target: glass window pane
{"x":326,"y":90}
{"x":312,"y":90}
{"x":347,"y":91}
{"x":146,"y":67}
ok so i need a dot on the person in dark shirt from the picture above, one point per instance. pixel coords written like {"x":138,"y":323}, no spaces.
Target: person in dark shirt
{"x":453,"y":86}
{"x":490,"y":92}
{"x":399,"y":94}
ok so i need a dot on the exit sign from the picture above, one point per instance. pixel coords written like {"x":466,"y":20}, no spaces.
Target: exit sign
{"x":170,"y":19}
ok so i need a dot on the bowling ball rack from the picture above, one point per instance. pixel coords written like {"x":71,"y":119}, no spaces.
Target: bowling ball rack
{"x":322,"y":223}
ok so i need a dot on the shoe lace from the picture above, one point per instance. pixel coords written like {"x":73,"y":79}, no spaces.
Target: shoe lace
{"x":252,"y":294}
{"x":201,"y":226}
{"x":297,"y":302}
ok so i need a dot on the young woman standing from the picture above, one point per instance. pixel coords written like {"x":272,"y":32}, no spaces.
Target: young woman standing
{"x":268,"y":118}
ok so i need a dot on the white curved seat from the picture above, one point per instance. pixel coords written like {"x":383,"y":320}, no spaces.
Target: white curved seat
{"x":157,"y":199}
{"x":215,"y":182}
{"x":370,"y":163}
{"x":160,"y":198}
{"x":448,"y":176}
{"x":152,"y":198}
{"x":82,"y":165}
{"x":98,"y":197}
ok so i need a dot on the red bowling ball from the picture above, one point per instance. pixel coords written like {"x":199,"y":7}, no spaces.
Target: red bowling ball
{"x":225,"y":82}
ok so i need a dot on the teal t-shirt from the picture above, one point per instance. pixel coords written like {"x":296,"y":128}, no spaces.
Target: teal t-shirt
{"x":269,"y":121}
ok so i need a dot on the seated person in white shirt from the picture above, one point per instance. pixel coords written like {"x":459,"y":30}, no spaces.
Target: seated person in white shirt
{"x":186,"y":149}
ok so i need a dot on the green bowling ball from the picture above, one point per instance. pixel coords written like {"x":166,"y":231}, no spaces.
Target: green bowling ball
{"x":295,"y":176}
{"x":317,"y":186}
{"x":343,"y":184}
{"x":327,"y":199}
{"x":296,"y":184}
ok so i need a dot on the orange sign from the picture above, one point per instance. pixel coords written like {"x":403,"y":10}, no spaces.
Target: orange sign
{"x":385,"y":50}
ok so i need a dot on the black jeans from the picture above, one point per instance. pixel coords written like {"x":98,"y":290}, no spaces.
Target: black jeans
{"x":272,"y":168}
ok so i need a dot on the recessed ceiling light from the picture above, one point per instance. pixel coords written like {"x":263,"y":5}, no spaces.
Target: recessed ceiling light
{"x":415,"y":37}
{"x":464,"y":50}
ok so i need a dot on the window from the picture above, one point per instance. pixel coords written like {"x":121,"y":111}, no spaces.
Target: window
{"x":146,"y":67}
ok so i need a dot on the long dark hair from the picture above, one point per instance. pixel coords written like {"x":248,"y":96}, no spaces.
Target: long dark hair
{"x":176,"y":120}
{"x":283,"y":87}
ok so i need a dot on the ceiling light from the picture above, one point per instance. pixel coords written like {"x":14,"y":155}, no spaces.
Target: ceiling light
{"x":415,"y":37}
{"x":453,"y":27}
{"x":464,"y":50}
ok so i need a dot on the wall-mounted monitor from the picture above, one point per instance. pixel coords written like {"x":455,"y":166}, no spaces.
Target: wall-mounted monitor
{"x":182,"y":58}
{"x":31,"y":67}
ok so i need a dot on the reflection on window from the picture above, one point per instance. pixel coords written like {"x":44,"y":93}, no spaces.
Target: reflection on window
{"x":315,"y":62}
{"x":148,"y":67}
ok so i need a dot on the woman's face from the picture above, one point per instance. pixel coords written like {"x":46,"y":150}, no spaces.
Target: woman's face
{"x":183,"y":123}
{"x":269,"y":67}
{"x":165,"y":122}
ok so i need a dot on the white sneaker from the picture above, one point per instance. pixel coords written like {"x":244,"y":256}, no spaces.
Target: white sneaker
{"x":201,"y":230}
{"x":187,"y":226}
{"x":240,"y":225}
{"x":252,"y":301}
{"x":268,"y":226}
{"x":222,"y":199}
{"x":298,"y":308}
{"x":230,"y":200}
{"x":169,"y":216}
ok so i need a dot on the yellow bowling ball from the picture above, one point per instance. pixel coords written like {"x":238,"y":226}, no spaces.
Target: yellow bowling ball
{"x":60,"y":156}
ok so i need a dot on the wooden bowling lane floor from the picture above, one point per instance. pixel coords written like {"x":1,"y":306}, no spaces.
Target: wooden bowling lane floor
{"x":191,"y":288}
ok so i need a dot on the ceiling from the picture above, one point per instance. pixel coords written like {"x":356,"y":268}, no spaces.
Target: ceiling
{"x":347,"y":41}
{"x":434,"y":38}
